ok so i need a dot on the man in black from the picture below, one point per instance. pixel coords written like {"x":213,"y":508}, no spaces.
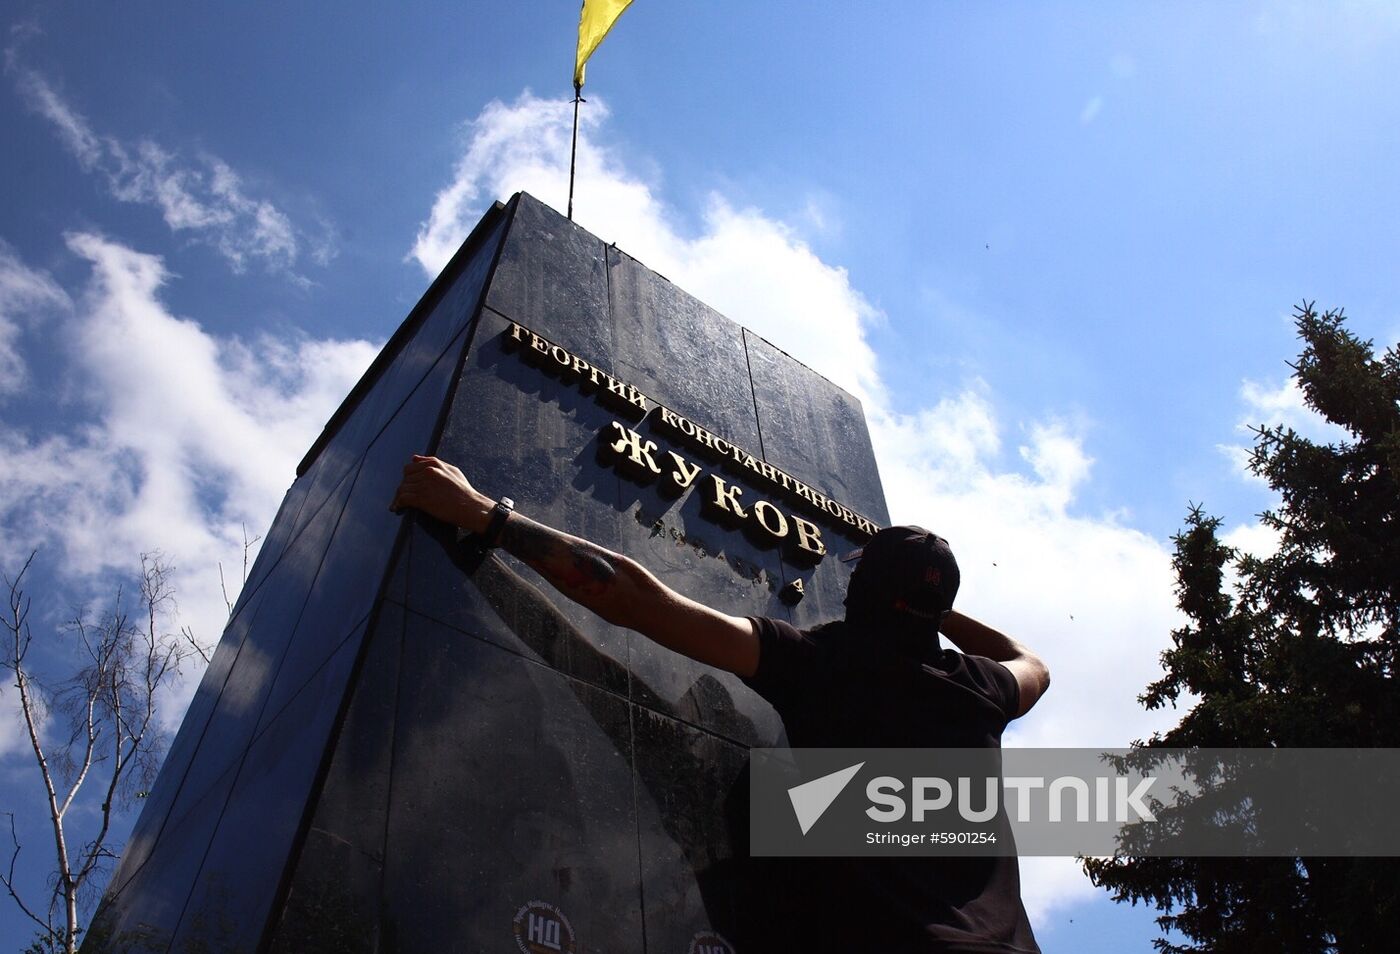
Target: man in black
{"x":877,"y":679}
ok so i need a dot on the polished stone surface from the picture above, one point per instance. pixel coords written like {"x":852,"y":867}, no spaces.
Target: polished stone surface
{"x":551,"y":475}
{"x":813,"y":429}
{"x":239,"y":879}
{"x":680,"y":351}
{"x":692,"y":792}
{"x":552,"y":276}
{"x":513,"y":785}
{"x":333,"y":902}
{"x":400,"y":746}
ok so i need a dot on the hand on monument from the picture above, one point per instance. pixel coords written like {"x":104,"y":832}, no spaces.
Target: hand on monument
{"x":441,"y":490}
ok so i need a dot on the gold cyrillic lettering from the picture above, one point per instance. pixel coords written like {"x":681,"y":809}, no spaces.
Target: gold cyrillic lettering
{"x":621,"y":394}
{"x":685,"y":473}
{"x":560,"y":356}
{"x":642,"y":455}
{"x":764,"y":512}
{"x":633,"y":447}
{"x":809,"y":537}
{"x":726,"y":497}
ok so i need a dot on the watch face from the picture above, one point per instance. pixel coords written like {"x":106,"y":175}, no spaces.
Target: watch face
{"x":499,"y":514}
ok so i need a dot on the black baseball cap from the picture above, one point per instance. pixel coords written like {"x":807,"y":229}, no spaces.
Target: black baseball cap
{"x":911,"y":569}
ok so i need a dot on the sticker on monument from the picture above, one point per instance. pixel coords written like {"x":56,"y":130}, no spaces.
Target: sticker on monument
{"x":541,"y":928}
{"x":708,"y":942}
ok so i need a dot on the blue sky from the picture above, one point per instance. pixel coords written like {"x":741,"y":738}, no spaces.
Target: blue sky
{"x":1053,"y":247}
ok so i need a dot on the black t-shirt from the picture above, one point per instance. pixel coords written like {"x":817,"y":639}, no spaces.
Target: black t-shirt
{"x":834,"y":687}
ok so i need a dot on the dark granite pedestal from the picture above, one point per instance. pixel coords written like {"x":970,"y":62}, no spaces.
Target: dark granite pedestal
{"x":393,"y":750}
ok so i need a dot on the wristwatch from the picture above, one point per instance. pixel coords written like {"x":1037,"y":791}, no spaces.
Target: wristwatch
{"x":499,"y":513}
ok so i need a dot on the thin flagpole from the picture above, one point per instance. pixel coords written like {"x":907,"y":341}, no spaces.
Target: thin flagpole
{"x":573,"y":150}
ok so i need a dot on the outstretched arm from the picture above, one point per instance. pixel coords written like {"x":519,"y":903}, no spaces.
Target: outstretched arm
{"x":1032,"y":675}
{"x":617,"y":588}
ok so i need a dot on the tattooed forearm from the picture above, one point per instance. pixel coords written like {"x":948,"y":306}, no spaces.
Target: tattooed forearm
{"x":580,"y":570}
{"x":619,"y":589}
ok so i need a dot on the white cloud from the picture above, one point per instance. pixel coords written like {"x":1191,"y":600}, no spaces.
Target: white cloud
{"x":1091,"y":110}
{"x":1091,"y":594}
{"x":185,"y":438}
{"x":1057,"y":457}
{"x":14,"y":737}
{"x":521,"y":141}
{"x":14,"y":731}
{"x":202,"y":197}
{"x":1049,"y":885}
{"x":1282,"y":405}
{"x":26,"y":296}
{"x":1353,"y":23}
{"x":1254,"y":539}
{"x":523,"y":147}
{"x":822,"y":216}
{"x":1272,"y":405}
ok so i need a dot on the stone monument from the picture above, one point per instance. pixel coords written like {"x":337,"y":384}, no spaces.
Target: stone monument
{"x":402,"y":745}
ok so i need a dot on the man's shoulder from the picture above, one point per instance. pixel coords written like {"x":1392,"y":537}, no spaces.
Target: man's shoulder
{"x":820,"y":634}
{"x":789,"y":657}
{"x":986,"y":678}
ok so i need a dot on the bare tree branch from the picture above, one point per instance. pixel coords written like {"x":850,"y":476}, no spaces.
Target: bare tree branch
{"x":247,"y":546}
{"x":8,"y":880}
{"x":110,"y":699}
{"x":195,"y":645}
{"x":223,"y":587}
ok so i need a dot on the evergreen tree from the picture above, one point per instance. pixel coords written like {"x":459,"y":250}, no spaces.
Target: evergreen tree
{"x":1299,"y":650}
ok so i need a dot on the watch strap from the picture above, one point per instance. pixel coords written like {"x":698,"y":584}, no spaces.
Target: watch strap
{"x":499,"y":513}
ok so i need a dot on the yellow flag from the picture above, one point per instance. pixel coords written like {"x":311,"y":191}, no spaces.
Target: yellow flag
{"x":594,"y":22}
